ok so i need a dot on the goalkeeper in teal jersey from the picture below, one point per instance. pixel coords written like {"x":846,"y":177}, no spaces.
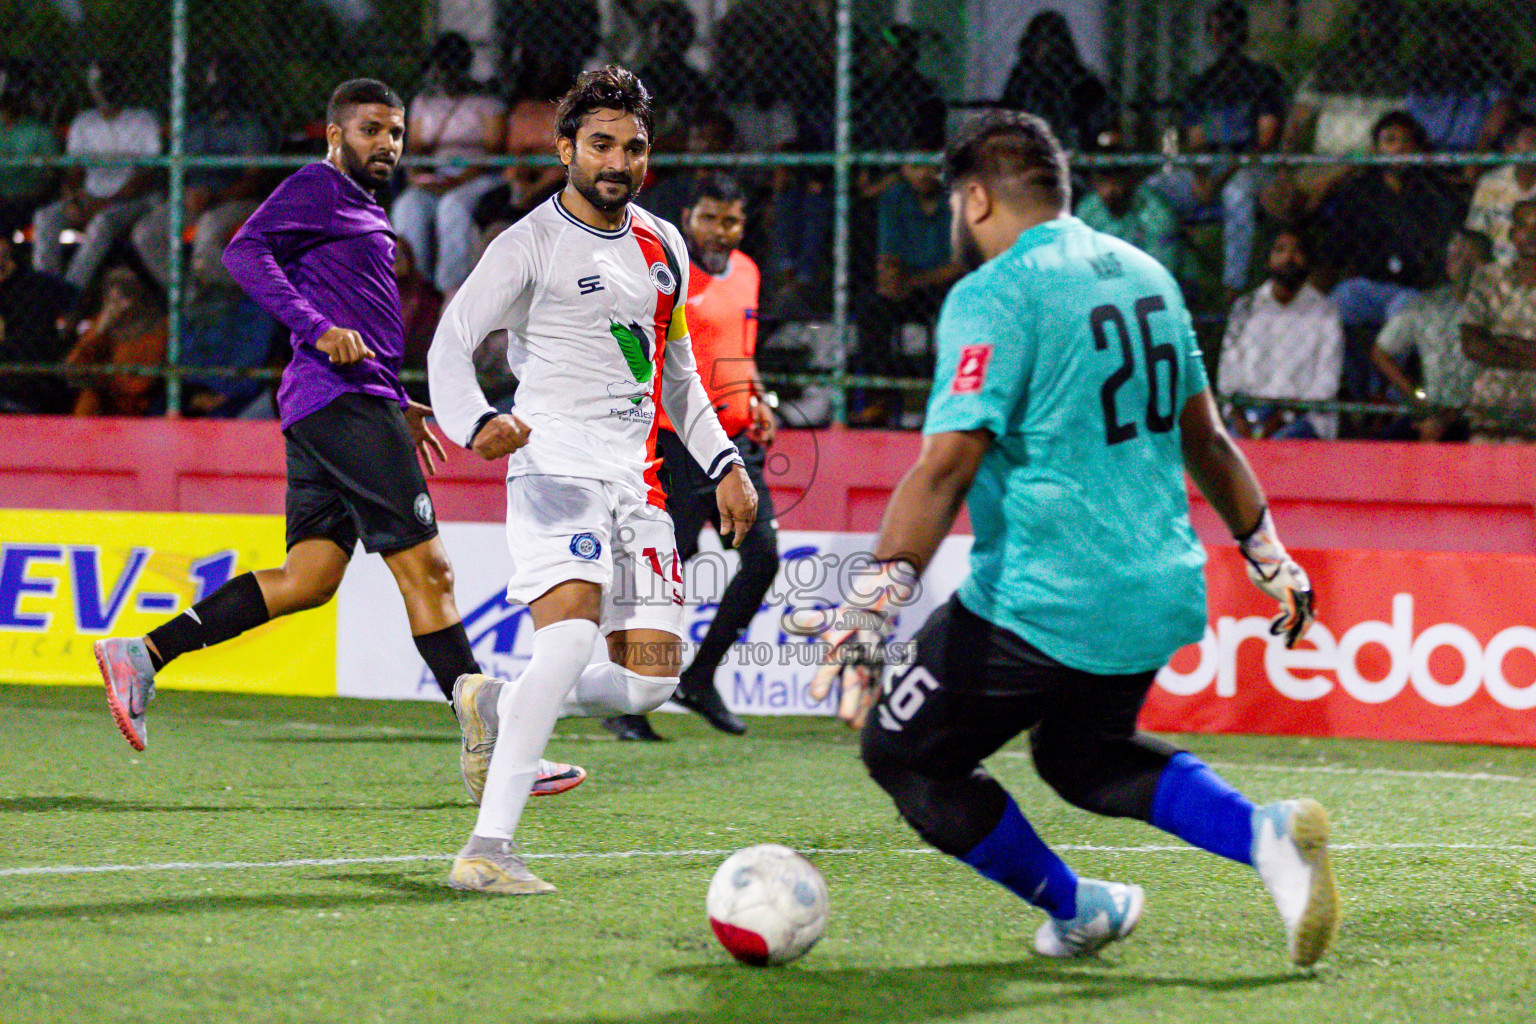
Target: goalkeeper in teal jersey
{"x":1069,"y":401}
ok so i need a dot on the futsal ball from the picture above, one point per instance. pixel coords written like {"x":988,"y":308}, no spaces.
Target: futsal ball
{"x":767,"y":905}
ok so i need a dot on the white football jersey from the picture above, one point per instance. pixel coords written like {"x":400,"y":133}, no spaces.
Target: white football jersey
{"x":596,"y":335}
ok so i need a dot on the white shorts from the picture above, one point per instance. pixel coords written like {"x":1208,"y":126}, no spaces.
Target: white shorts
{"x":563,"y":528}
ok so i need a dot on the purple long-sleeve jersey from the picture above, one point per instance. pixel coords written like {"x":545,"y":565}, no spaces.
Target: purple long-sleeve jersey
{"x":320,"y":253}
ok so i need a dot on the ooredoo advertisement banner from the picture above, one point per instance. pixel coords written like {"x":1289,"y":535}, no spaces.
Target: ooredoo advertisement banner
{"x":1407,"y":646}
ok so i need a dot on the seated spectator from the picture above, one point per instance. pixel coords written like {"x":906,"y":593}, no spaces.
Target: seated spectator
{"x":33,"y":317}
{"x":1283,"y":341}
{"x":530,"y":132}
{"x":1051,"y":81}
{"x":1500,"y":189}
{"x":1236,"y":105}
{"x":892,"y":100}
{"x":448,"y":119}
{"x":1353,"y":84}
{"x":22,"y":189}
{"x":1430,"y":327}
{"x":779,"y":53}
{"x":1123,"y":205}
{"x":223,"y":327}
{"x":103,"y":202}
{"x":1458,"y":79}
{"x":216,"y":200}
{"x":914,"y":269}
{"x":420,"y":306}
{"x":709,"y":131}
{"x":678,"y":89}
{"x":801,"y":236}
{"x":129,"y":330}
{"x":1388,"y":227}
{"x":914,"y":265}
{"x":1499,"y":334}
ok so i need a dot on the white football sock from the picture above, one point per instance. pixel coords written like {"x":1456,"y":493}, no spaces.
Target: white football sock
{"x":527,"y":710}
{"x":611,"y":689}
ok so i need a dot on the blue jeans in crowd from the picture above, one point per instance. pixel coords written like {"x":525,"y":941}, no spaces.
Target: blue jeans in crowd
{"x":1238,"y":211}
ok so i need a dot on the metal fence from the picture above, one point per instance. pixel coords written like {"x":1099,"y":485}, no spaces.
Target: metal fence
{"x":1210,"y":134}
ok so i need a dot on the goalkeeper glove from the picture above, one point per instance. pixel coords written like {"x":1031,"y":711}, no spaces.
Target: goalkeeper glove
{"x":1276,"y":573}
{"x":855,"y":634}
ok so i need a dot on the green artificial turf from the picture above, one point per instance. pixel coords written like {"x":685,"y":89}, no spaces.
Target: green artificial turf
{"x":1437,"y":873}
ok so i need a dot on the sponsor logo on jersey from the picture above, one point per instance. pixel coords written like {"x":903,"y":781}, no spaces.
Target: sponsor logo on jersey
{"x":972,"y":369}
{"x":636,"y":349}
{"x":588,"y":285}
{"x":584,"y":545}
{"x":423,"y":508}
{"x":661,"y":277}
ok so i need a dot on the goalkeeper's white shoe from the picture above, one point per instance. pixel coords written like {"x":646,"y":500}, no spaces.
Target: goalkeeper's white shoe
{"x":1106,"y":912}
{"x":474,"y":701}
{"x":1290,"y":853}
{"x":493,"y":866}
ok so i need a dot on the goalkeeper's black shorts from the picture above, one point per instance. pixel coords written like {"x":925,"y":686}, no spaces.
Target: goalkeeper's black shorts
{"x":968,"y":686}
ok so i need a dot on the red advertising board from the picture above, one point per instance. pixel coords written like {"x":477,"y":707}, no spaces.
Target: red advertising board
{"x":1407,"y":646}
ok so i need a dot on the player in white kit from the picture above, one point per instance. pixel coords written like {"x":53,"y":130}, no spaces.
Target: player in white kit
{"x":590,"y":292}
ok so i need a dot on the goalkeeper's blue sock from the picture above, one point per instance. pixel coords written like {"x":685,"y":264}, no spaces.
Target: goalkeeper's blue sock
{"x":1202,"y":808}
{"x":1013,"y":856}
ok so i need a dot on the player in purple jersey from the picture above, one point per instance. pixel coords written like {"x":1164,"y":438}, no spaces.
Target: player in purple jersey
{"x":319,"y":256}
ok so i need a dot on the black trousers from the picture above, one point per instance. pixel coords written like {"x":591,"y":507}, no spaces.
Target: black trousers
{"x":691,"y":503}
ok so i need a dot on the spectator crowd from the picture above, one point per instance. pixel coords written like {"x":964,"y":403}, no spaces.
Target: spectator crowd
{"x":1398,"y":282}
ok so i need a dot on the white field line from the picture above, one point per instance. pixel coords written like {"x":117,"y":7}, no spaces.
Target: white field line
{"x":1327,"y":769}
{"x":335,"y":862}
{"x":1317,"y":769}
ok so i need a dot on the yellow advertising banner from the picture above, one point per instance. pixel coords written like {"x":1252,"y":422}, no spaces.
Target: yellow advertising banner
{"x":68,"y":579}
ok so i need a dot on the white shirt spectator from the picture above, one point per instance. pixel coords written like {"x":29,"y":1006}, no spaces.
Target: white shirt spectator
{"x":454,"y":126}
{"x":1430,"y":324}
{"x":133,"y":132}
{"x":1284,"y":350}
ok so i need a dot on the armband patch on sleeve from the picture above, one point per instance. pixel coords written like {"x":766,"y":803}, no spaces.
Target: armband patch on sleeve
{"x":972,"y":369}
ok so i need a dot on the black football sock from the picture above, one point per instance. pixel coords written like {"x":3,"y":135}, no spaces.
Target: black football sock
{"x":224,"y":614}
{"x":448,"y":654}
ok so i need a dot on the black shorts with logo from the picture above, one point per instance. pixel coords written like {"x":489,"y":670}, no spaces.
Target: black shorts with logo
{"x":353,"y":475}
{"x":970,"y":686}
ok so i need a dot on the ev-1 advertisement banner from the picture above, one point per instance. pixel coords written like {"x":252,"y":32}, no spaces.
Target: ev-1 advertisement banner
{"x":68,"y":579}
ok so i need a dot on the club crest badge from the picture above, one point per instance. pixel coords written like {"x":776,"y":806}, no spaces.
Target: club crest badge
{"x":584,"y":545}
{"x":663,"y":279}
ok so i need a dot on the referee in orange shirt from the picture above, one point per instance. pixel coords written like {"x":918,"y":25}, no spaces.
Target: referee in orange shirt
{"x":722,"y":321}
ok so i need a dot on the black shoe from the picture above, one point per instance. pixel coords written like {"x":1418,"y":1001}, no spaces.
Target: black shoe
{"x":705,"y":702}
{"x":632,"y":727}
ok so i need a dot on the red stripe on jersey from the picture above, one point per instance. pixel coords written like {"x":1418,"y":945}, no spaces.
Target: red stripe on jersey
{"x":651,"y":249}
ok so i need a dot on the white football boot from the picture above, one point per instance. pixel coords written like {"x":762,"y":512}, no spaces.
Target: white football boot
{"x":1106,"y":911}
{"x":1290,"y":853}
{"x":493,"y":866}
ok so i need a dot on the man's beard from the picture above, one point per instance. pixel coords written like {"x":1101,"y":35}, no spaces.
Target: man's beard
{"x":714,"y":260}
{"x":590,"y":192}
{"x":968,"y":249}
{"x":361,"y":171}
{"x":1291,"y":277}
